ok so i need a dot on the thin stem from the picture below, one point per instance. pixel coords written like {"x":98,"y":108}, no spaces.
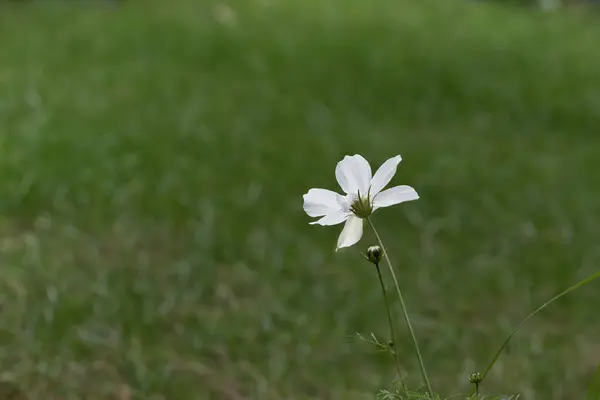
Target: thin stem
{"x":404,"y":312}
{"x":546,"y":304}
{"x":389,"y":315}
{"x":594,"y":389}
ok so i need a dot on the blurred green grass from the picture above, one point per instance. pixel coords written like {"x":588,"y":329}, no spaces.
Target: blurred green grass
{"x":153,"y":158}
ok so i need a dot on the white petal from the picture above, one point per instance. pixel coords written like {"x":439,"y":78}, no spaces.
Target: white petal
{"x":351,"y":233}
{"x":319,"y":202}
{"x":334,"y":218}
{"x":353,"y":174}
{"x":384,"y":174}
{"x":395,"y":195}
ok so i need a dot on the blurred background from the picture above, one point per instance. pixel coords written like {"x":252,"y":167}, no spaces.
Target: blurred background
{"x":153,"y":157}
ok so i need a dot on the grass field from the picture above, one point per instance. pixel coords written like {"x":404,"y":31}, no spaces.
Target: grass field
{"x":152,"y":161}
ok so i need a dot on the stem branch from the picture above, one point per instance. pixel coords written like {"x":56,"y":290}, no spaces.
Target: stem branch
{"x":546,"y":304}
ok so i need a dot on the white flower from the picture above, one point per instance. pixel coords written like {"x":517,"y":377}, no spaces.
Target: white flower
{"x":363,"y":196}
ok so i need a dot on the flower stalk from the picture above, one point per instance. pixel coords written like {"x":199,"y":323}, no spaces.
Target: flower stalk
{"x":374,"y":254}
{"x":404,"y":312}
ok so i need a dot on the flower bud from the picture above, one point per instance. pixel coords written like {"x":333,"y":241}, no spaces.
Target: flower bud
{"x":374,"y":254}
{"x":475,"y":378}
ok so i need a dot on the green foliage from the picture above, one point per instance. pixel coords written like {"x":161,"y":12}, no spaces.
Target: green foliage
{"x":152,"y":162}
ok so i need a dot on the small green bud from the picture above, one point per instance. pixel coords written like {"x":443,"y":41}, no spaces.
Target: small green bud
{"x":374,"y":254}
{"x":475,"y":378}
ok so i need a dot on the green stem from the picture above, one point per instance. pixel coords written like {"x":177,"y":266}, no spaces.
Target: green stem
{"x":594,"y":389}
{"x":546,"y":304}
{"x":389,"y":315}
{"x":404,"y":312}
